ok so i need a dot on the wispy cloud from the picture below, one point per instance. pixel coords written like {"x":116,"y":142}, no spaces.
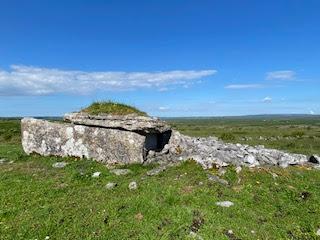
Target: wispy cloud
{"x":244,"y":86}
{"x":29,"y":80}
{"x":267,"y":100}
{"x":281,"y":75}
{"x":163,"y":109}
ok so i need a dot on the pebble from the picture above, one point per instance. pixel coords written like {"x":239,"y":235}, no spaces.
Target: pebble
{"x":59,"y":164}
{"x":133,"y":185}
{"x":225,"y":204}
{"x":96,"y":174}
{"x":156,"y":171}
{"x":120,"y":172}
{"x":217,"y":179}
{"x":111,"y":185}
{"x":2,"y":160}
{"x":318,"y":232}
{"x":238,"y":169}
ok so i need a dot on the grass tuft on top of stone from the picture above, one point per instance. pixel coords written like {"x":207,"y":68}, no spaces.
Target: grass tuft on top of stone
{"x":113,"y":108}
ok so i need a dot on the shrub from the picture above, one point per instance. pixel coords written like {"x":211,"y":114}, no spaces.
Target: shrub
{"x":227,"y":137}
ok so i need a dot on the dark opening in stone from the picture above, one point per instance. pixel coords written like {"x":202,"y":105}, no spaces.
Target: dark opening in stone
{"x":156,"y":141}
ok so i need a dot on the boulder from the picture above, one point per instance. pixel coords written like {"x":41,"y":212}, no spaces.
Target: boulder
{"x":101,"y":144}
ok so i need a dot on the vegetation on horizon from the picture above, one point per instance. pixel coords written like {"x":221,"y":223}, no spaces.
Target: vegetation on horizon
{"x":109,"y":107}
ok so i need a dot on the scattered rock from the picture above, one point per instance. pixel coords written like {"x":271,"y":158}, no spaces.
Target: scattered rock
{"x":121,"y":171}
{"x":222,"y":171}
{"x":225,"y":204}
{"x":2,"y":160}
{"x":238,"y":169}
{"x":318,"y":232}
{"x":217,"y":179}
{"x":96,"y":174}
{"x":314,"y":159}
{"x":194,"y":235}
{"x":59,"y":164}
{"x":156,"y":171}
{"x":133,"y":185}
{"x":111,"y":185}
{"x":47,"y":238}
{"x":250,"y":159}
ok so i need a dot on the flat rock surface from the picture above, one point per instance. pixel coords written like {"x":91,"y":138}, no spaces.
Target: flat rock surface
{"x":125,"y":122}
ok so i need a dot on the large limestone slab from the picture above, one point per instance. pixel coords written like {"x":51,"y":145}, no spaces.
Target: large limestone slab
{"x":127,"y":122}
{"x":60,"y":139}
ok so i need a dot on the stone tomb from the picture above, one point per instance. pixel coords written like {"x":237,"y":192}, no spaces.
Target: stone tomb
{"x":106,"y":138}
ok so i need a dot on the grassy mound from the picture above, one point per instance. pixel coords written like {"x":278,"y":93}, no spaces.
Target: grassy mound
{"x":112,"y":108}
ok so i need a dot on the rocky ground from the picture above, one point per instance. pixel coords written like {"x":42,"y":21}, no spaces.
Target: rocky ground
{"x":211,"y":152}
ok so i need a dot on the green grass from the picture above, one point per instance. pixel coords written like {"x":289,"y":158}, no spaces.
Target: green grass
{"x":112,"y":108}
{"x":37,"y":200}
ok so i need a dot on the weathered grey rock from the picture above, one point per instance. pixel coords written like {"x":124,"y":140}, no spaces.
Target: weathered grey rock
{"x":59,"y":164}
{"x":211,"y":152}
{"x":133,"y":186}
{"x":120,"y":172}
{"x":156,"y":171}
{"x":126,"y":122}
{"x":225,"y":204}
{"x":110,"y":185}
{"x":101,"y":144}
{"x":238,"y":169}
{"x":217,"y":179}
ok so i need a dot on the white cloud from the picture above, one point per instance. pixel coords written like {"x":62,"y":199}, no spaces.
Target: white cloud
{"x":244,"y":86}
{"x":281,"y":75}
{"x":311,"y":112}
{"x":29,"y":80}
{"x":163,"y":109}
{"x":267,"y":100}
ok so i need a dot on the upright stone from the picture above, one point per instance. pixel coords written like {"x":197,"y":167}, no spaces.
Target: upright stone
{"x":62,"y":139}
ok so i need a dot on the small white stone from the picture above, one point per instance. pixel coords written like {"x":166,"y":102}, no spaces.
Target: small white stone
{"x":133,"y":185}
{"x":250,"y":159}
{"x":2,"y":160}
{"x":47,"y":237}
{"x":230,"y":231}
{"x":225,"y":204}
{"x":111,"y":185}
{"x":96,"y":174}
{"x":59,"y":164}
{"x":194,"y":235}
{"x":318,"y":232}
{"x":238,"y":169}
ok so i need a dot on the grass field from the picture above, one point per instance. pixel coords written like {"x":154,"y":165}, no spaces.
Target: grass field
{"x":42,"y":202}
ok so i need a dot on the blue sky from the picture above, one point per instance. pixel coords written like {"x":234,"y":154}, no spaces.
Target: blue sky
{"x":169,"y":58}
